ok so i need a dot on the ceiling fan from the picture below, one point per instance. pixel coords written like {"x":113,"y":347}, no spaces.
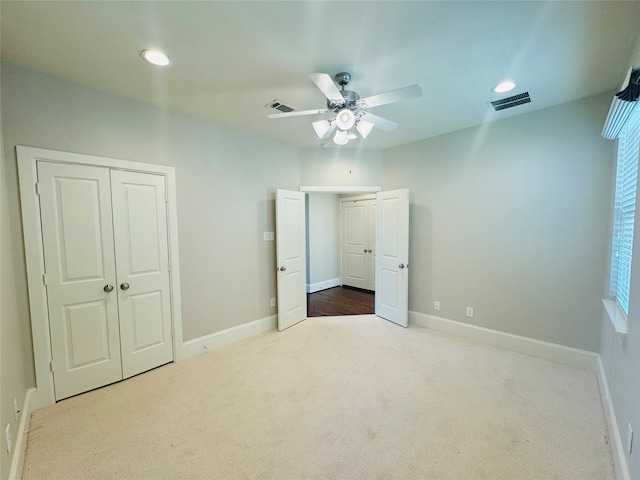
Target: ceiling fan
{"x":350,"y":110}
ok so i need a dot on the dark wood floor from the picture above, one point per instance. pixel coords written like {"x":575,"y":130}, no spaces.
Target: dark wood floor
{"x":340,"y":301}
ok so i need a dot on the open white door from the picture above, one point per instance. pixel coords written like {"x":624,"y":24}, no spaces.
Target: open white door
{"x":291,"y":253}
{"x":392,"y":256}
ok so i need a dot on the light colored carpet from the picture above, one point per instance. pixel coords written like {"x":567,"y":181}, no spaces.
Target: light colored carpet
{"x":333,"y":398}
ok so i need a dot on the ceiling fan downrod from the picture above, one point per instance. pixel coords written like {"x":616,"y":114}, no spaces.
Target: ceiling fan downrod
{"x":350,"y":97}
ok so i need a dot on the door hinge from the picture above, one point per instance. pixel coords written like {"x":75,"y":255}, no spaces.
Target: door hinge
{"x":38,"y":189}
{"x":44,"y":279}
{"x":51,"y":366}
{"x":173,"y":335}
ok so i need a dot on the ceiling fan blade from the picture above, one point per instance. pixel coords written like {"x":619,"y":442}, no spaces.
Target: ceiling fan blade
{"x":327,"y":86}
{"x":297,"y":113}
{"x":398,"y":95}
{"x":379,"y":122}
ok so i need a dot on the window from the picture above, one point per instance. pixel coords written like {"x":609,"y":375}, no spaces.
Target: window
{"x":624,"y":209}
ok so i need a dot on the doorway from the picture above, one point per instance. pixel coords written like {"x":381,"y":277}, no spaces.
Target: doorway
{"x":340,"y":254}
{"x":392,"y":254}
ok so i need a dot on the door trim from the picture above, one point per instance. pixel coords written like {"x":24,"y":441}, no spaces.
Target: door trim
{"x":27,"y":175}
{"x":334,"y":189}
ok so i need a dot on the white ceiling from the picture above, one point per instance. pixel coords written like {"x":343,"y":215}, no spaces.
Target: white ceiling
{"x":230,"y":59}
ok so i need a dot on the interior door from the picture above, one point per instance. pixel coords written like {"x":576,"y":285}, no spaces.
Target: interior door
{"x":392,"y":256}
{"x":355,"y":243}
{"x":291,"y":252}
{"x":142,"y":265}
{"x":75,"y":203}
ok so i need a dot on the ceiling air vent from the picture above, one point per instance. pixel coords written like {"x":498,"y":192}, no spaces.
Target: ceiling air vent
{"x":281,"y":107}
{"x":509,"y":102}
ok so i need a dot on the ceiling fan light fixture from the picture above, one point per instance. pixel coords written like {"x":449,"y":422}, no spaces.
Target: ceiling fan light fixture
{"x":351,"y":135}
{"x":322,"y":128}
{"x":156,"y":57}
{"x":345,"y":119}
{"x":341,"y":137}
{"x":364,"y":128}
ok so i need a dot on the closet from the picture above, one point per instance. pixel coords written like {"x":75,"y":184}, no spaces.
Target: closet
{"x":105,"y":246}
{"x":358,"y":241}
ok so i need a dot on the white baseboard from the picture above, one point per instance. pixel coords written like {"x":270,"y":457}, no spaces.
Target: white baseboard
{"x":316,"y":287}
{"x":529,"y":346}
{"x":17,"y":460}
{"x":620,"y":466}
{"x":225,"y":337}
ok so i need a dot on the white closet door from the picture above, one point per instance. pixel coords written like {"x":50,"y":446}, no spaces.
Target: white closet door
{"x":392,"y":256}
{"x":75,"y":206}
{"x":142,"y":261}
{"x":355,"y":243}
{"x":291,"y":253}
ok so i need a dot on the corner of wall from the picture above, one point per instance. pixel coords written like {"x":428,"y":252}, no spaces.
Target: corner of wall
{"x":17,"y":460}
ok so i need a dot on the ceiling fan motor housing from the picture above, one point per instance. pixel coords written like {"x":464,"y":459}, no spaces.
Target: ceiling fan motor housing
{"x":350,"y":99}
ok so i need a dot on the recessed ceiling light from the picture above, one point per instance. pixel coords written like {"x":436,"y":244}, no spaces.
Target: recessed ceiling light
{"x":156,"y":57}
{"x":504,"y":87}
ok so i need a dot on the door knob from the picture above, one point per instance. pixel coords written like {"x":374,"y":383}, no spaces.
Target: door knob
{"x":124,"y":286}
{"x":365,"y":250}
{"x":369,"y":250}
{"x":282,"y":269}
{"x":401,"y":265}
{"x":108,"y":288}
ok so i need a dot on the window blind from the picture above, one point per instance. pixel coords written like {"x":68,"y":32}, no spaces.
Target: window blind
{"x":625,"y":202}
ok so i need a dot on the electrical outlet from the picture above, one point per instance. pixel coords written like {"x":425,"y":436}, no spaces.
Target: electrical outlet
{"x":15,"y":410}
{"x":629,"y":439}
{"x":7,"y":432}
{"x":273,"y":301}
{"x":436,"y":305}
{"x":470,"y":312}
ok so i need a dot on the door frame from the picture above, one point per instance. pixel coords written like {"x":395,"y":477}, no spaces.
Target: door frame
{"x":340,"y":190}
{"x":33,"y":246}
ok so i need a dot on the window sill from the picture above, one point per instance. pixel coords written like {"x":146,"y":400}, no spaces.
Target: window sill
{"x":616,"y":316}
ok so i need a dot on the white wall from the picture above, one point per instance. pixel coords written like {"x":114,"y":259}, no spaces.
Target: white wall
{"x":512,"y":219}
{"x":16,"y":364}
{"x":323,"y":238}
{"x":341,"y":167}
{"x":621,"y":353}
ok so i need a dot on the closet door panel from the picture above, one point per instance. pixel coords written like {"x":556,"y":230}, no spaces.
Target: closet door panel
{"x":142,"y":260}
{"x":358,"y":243}
{"x":75,"y":204}
{"x":354,"y":244}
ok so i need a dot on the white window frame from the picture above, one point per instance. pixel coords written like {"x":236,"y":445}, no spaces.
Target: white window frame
{"x":628,"y":153}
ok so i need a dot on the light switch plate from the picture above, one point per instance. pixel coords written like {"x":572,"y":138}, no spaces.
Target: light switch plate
{"x":268,"y":236}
